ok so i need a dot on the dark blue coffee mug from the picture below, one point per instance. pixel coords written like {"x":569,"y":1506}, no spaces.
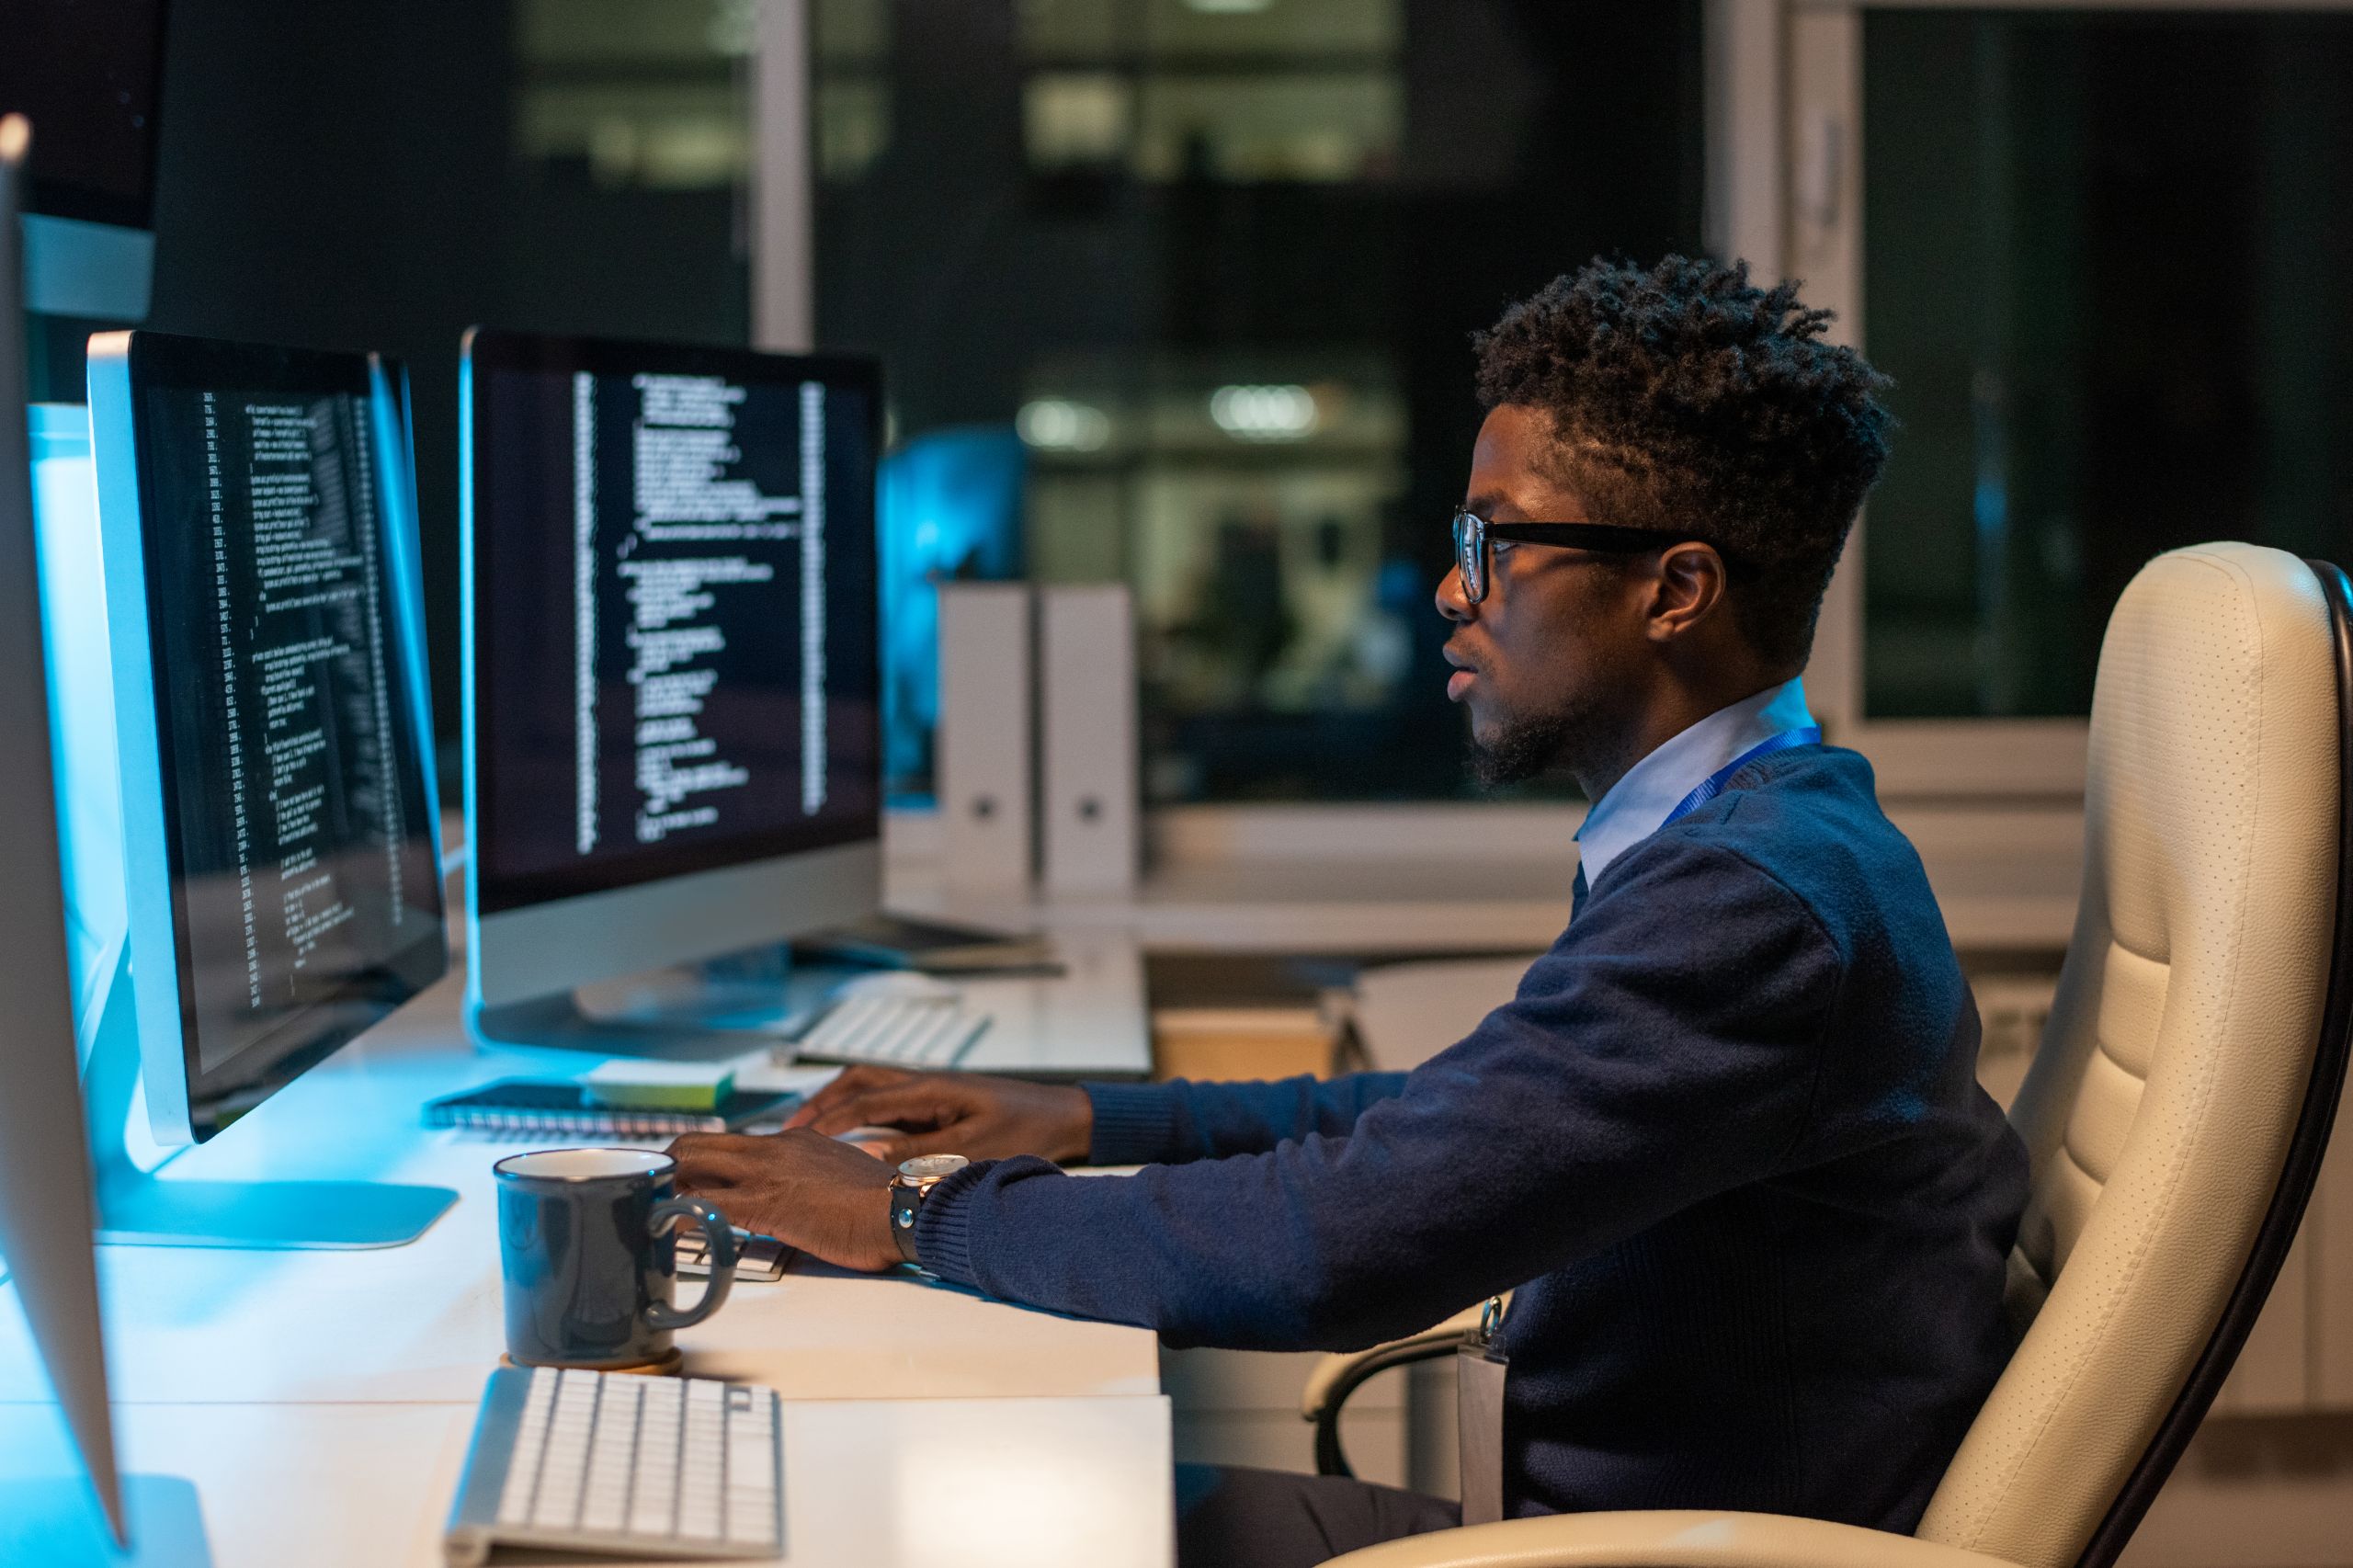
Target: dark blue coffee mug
{"x":586,"y":1245}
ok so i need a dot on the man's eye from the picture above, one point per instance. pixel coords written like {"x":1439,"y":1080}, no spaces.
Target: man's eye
{"x":1502,"y":546}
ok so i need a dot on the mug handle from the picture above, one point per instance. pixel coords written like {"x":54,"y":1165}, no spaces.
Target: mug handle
{"x":722,"y":1236}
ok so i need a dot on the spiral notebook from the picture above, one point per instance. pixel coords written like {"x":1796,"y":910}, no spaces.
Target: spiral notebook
{"x":545,"y":1104}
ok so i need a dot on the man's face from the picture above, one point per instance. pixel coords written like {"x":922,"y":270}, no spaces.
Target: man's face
{"x":1549,"y":661}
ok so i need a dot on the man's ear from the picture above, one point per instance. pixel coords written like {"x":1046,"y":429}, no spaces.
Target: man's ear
{"x":1689,"y":590}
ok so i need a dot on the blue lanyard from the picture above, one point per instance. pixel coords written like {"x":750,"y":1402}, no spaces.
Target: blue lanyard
{"x":1713,"y":785}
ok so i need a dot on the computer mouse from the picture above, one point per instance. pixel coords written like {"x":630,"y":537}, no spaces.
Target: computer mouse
{"x":899,"y":984}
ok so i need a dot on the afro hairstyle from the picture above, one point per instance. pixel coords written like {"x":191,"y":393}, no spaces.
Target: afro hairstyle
{"x":1684,"y":398}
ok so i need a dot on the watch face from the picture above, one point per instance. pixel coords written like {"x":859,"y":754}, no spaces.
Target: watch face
{"x":931,"y":1168}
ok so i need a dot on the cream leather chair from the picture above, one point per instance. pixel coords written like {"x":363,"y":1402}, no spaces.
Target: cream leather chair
{"x":2175,"y":1115}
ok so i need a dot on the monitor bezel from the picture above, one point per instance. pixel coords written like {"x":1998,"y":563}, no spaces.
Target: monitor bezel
{"x":123,"y":366}
{"x":494,"y":351}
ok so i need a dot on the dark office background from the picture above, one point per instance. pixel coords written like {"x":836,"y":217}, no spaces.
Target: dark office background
{"x":2097,"y":263}
{"x":1112,"y":209}
{"x":2101,"y":258}
{"x":383,"y":177}
{"x":357,"y":176}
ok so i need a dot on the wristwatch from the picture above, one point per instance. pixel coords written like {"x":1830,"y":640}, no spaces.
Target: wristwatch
{"x":913,"y":1183}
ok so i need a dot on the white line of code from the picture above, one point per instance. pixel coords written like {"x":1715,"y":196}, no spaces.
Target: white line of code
{"x":584,"y":608}
{"x":688,"y":508}
{"x":812,"y":597}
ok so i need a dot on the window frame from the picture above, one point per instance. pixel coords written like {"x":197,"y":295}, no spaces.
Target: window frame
{"x":782,"y":195}
{"x":1786,"y":143}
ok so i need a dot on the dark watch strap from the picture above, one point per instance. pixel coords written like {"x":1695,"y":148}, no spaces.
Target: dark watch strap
{"x":906,"y":1202}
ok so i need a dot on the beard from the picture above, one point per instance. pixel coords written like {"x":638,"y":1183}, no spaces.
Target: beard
{"x":1530,"y":746}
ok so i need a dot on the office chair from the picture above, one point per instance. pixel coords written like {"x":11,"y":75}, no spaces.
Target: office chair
{"x":2174,"y":1117}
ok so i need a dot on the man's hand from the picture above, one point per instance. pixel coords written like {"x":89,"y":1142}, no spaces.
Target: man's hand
{"x":954,"y":1113}
{"x":822,"y":1196}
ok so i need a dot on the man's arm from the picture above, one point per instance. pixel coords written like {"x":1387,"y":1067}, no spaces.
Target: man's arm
{"x":1170,"y":1123}
{"x":1650,"y":1060}
{"x":982,"y":1117}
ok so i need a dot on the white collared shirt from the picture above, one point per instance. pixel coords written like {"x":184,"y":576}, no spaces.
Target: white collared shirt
{"x":1638,"y":804}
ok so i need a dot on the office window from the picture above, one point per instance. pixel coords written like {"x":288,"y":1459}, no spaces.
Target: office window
{"x":850,"y":94}
{"x":644,"y":95}
{"x":2100,"y":259}
{"x":1214,"y":264}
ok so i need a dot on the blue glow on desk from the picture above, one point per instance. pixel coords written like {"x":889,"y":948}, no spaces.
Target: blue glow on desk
{"x":49,"y":1510}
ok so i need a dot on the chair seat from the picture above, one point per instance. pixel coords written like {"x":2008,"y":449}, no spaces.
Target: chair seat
{"x":1666,"y":1538}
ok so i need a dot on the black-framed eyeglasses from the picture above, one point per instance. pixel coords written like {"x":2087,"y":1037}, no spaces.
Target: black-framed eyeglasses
{"x":1473,"y":532}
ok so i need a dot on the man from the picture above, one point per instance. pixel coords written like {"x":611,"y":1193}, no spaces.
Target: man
{"x":1726,"y":1142}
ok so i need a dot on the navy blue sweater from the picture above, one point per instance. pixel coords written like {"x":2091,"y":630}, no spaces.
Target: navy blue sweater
{"x":1727,"y":1142}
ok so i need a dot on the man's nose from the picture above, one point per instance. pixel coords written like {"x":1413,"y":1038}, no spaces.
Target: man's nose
{"x":1452,"y":602}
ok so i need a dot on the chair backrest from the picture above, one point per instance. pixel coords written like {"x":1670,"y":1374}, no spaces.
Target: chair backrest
{"x":2176,"y":1112}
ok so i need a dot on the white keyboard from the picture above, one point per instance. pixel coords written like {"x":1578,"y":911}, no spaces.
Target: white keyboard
{"x":612,"y":1461}
{"x":896,"y":1031}
{"x":757,"y":1257}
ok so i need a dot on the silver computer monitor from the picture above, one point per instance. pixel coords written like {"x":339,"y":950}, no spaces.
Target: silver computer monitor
{"x":272,"y":818}
{"x":46,"y":1216}
{"x":673,"y":736}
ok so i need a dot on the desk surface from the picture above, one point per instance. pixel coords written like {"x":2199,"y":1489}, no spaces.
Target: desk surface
{"x":423,"y":1321}
{"x":1429,"y":880}
{"x":1374,"y":908}
{"x":322,"y":1400}
{"x":875,"y":1483}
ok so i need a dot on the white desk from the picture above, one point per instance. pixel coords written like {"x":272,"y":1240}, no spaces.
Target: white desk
{"x":1424,"y":908}
{"x":1427,"y":880}
{"x":322,"y":1401}
{"x":1087,"y":1021}
{"x":976,"y":1483}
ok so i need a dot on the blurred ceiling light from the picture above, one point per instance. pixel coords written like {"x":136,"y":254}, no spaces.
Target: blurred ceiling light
{"x":1057,"y":424}
{"x":1228,"y":8}
{"x":1075,"y":117}
{"x":691,"y":152}
{"x":1264,"y":414}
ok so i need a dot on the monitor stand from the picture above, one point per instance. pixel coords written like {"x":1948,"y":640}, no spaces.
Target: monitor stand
{"x":707,"y":1011}
{"x":57,"y":1520}
{"x":141,"y":1207}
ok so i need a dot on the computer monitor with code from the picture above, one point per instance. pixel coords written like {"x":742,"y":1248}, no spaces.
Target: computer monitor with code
{"x":277,"y":835}
{"x":673,"y":661}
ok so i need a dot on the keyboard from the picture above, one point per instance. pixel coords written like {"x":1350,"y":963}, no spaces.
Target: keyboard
{"x":757,"y":1257}
{"x":896,"y":1031}
{"x":613,"y":1462}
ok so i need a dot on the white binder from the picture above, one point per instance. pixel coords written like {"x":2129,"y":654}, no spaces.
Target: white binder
{"x":984,"y":747}
{"x":1088,"y":698}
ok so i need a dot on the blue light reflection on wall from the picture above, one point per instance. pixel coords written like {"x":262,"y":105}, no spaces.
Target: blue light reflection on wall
{"x":950,"y":510}
{"x":81,"y":683}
